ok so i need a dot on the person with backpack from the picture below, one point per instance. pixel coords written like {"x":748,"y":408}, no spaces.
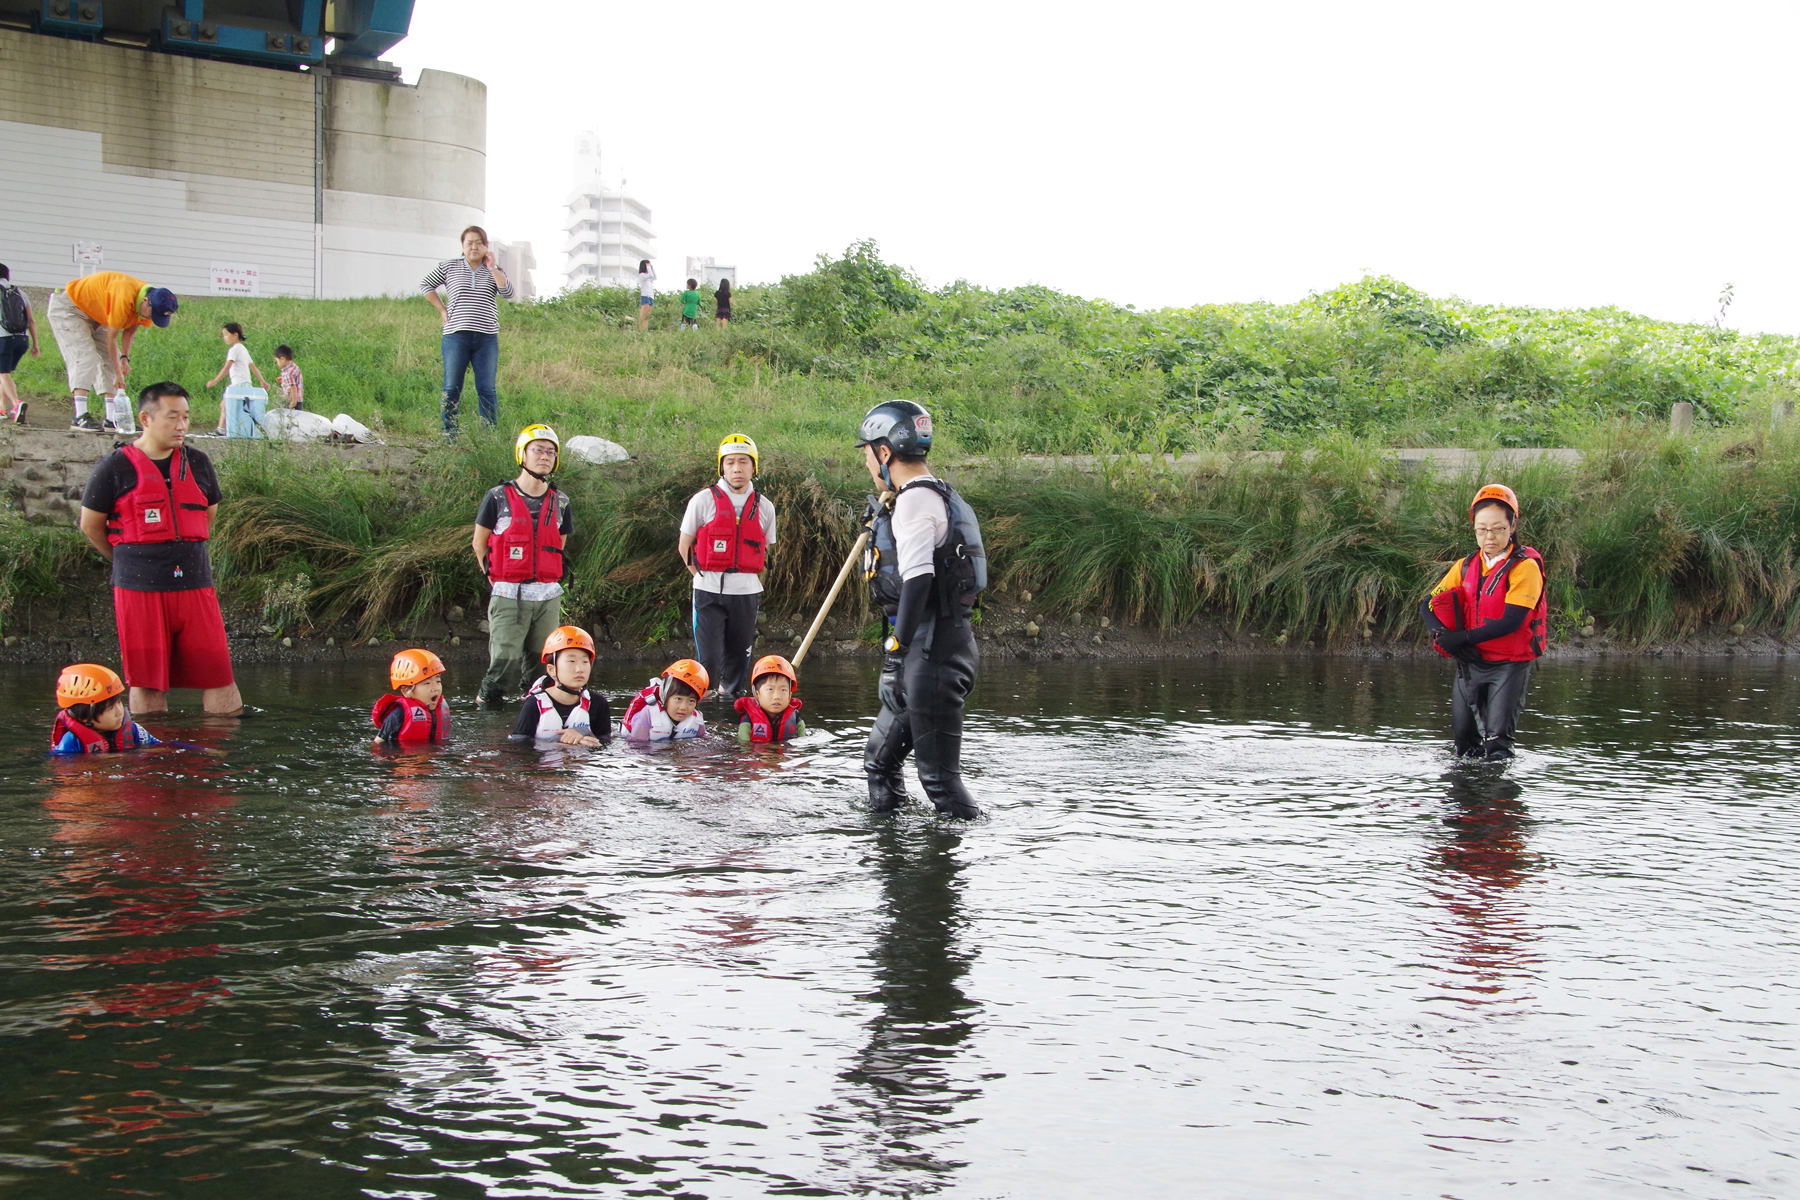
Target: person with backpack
{"x":926,"y":568}
{"x":18,"y":333}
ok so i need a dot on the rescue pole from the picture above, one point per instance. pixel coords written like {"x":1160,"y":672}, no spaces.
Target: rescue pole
{"x":836,"y":587}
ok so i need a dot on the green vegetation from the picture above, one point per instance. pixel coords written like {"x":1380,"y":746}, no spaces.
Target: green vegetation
{"x":1025,"y":370}
{"x":1653,"y":536}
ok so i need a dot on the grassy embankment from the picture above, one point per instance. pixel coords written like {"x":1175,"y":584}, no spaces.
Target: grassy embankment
{"x":1656,"y":537}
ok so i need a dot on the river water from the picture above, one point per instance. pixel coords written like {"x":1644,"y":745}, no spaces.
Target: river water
{"x":1230,"y":930}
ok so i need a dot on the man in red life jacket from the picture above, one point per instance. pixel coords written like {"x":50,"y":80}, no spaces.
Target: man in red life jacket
{"x":520,"y":530}
{"x":148,"y":508}
{"x":726,"y":534}
{"x":1490,"y":613}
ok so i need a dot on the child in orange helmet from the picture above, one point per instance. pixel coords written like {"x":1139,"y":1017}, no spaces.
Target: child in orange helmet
{"x":93,"y":718}
{"x":559,"y":706}
{"x":668,"y":709}
{"x":771,"y":713}
{"x":415,"y":711}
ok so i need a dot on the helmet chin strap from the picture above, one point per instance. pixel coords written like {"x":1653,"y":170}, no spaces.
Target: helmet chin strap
{"x":536,"y":476}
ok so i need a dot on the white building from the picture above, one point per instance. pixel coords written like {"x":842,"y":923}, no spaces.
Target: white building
{"x":609,"y":230}
{"x":518,"y":262}
{"x":706,"y":271}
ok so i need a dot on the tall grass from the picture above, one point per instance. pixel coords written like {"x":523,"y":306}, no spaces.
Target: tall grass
{"x":1654,"y":538}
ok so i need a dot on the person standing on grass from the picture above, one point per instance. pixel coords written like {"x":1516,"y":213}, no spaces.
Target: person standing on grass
{"x":293,"y":387}
{"x":726,"y":534}
{"x":148,"y":508}
{"x":471,"y":324}
{"x":18,"y":333}
{"x":94,"y":320}
{"x":238,"y":365}
{"x":520,"y":530}
{"x":646,"y":294}
{"x":690,"y":306}
{"x":722,"y":303}
{"x":1490,"y":613}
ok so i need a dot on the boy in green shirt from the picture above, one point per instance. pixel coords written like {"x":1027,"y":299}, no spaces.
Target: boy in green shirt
{"x":690,"y":306}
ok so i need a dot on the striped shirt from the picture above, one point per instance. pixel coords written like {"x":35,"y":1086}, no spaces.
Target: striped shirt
{"x":471,"y":295}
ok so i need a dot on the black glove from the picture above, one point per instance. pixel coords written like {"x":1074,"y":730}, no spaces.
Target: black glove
{"x":889,"y":688}
{"x":1456,"y":643}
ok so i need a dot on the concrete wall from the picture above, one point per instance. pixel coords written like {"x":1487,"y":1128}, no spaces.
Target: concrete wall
{"x":173,"y":163}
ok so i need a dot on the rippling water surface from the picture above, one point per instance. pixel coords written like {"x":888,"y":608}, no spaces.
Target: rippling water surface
{"x":1230,"y":930}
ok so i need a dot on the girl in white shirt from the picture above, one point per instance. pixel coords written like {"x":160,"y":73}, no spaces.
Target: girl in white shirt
{"x":646,"y":293}
{"x":238,"y":365}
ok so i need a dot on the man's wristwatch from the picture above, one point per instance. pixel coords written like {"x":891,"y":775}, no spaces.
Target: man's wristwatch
{"x":893,"y":646}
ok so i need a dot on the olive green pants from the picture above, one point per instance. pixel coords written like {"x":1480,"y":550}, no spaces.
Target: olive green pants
{"x":517,"y":630}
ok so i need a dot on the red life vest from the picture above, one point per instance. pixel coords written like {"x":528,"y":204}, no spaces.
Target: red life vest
{"x":417,"y":723}
{"x":527,"y":551}
{"x":159,"y":510}
{"x":1478,"y":600}
{"x":762,"y":727}
{"x":91,"y":739}
{"x":732,"y":540}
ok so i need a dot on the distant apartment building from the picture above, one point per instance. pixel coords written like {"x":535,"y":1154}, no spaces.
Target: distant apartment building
{"x":709,"y":272}
{"x":609,"y":229}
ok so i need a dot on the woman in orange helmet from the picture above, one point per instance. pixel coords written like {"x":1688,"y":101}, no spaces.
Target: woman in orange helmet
{"x":1490,"y":613}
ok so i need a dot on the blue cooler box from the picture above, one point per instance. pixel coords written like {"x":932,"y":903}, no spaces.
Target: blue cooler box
{"x":244,"y":410}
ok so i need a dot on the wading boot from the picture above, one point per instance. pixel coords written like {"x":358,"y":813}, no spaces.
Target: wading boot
{"x":886,"y":792}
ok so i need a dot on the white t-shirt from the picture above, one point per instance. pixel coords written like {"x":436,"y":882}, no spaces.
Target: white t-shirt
{"x":921,"y":525}
{"x":647,"y":282}
{"x":238,"y":360}
{"x":700,"y":511}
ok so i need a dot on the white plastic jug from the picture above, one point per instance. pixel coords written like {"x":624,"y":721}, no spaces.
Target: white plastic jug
{"x":118,"y":411}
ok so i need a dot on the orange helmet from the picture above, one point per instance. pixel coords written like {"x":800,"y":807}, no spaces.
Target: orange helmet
{"x":774,"y":664}
{"x":1496,"y":491}
{"x":414,"y":666}
{"x":691,"y":673}
{"x":87,"y":683}
{"x":567,"y":637}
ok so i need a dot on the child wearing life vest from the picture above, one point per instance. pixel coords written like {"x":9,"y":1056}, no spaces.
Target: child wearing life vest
{"x":559,"y":706}
{"x":414,"y":712}
{"x":93,"y":718}
{"x":668,"y":708}
{"x":771,"y":713}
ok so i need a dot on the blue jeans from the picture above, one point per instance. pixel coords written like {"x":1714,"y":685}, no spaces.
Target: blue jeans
{"x":462,"y":349}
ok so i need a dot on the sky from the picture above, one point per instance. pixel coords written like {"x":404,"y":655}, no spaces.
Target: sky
{"x":1567,"y":154}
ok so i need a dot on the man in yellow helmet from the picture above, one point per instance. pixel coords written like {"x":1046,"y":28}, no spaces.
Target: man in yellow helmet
{"x":520,"y":529}
{"x":726,"y":534}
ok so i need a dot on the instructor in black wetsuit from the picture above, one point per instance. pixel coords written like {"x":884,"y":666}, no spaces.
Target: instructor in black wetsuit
{"x":925,"y":566}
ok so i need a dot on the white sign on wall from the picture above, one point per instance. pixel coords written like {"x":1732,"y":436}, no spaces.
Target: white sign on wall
{"x":235,"y":279}
{"x":87,"y":256}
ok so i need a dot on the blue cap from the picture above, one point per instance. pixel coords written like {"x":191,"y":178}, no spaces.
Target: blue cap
{"x":162,"y":306}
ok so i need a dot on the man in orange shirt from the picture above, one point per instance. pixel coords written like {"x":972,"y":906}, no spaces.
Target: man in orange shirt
{"x":95,"y":319}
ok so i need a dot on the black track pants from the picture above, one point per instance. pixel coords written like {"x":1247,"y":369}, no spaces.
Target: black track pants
{"x":724,"y":636}
{"x":1485,"y":707}
{"x":938,"y":673}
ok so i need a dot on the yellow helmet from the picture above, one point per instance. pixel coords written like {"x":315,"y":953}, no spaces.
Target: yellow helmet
{"x":536,"y":433}
{"x":737,"y":443}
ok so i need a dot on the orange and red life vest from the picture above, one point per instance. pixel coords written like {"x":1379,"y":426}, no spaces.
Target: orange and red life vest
{"x":1478,"y":599}
{"x":91,"y":739}
{"x":763,"y":727}
{"x":732,"y":540}
{"x":158,"y":509}
{"x":527,"y":550}
{"x":417,"y":723}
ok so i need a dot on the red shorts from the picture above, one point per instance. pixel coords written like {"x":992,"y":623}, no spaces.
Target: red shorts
{"x":172,"y":639}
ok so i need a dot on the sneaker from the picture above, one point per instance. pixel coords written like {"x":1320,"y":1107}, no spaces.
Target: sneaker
{"x":108,"y":427}
{"x":84,"y":423}
{"x":19,"y":413}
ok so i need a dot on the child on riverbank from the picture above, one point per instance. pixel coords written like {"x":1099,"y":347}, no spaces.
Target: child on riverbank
{"x":771,"y":713}
{"x":559,"y":706}
{"x":668,"y":709}
{"x":293,"y":387}
{"x":414,"y":712}
{"x":93,"y":717}
{"x":690,"y":306}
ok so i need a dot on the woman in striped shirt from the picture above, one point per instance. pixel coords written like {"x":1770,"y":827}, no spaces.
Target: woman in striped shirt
{"x":471,"y":323}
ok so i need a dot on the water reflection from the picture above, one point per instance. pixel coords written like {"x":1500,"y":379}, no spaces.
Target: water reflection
{"x":1481,"y":858}
{"x":903,"y":1088}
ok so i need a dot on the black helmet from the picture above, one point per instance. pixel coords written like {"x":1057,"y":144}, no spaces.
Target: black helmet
{"x":903,"y":426}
